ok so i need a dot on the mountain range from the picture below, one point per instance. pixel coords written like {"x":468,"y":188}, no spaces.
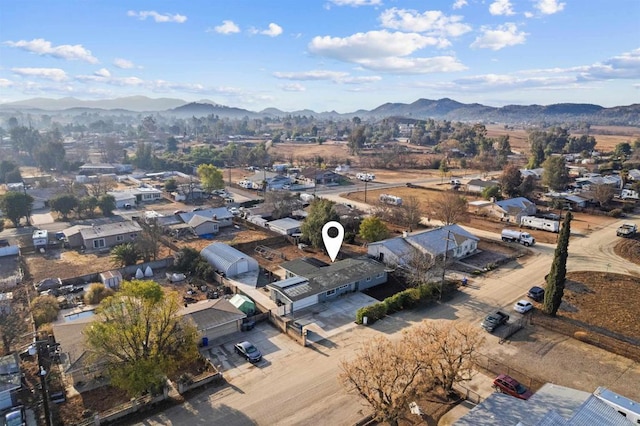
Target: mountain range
{"x":441,"y":109}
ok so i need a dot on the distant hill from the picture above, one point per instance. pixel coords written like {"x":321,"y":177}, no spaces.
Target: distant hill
{"x":129,"y":103}
{"x":441,"y":109}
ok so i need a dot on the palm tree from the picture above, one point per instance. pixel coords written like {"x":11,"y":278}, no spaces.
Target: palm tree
{"x":124,"y":254}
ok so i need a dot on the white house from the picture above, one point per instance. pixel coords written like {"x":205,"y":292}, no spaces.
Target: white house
{"x":228,"y":260}
{"x":286,"y":226}
{"x":512,"y":209}
{"x":452,"y":239}
{"x":201,"y":225}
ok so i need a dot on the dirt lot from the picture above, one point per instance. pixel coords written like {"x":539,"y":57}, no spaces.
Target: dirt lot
{"x":605,"y":300}
{"x":629,"y":248}
{"x":582,"y":223}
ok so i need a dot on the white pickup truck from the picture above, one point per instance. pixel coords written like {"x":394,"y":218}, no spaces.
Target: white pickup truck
{"x":627,"y":230}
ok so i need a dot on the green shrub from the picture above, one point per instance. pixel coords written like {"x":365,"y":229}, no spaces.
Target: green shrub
{"x":372,"y":312}
{"x":615,"y":213}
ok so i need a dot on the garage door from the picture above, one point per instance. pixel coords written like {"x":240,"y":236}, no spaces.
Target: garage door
{"x":304,"y":303}
{"x":221,"y":331}
{"x":243,"y":266}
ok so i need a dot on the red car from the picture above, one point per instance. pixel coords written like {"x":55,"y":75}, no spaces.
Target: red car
{"x":510,"y":386}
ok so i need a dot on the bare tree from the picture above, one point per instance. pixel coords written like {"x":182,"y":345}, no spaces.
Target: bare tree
{"x":411,"y":212}
{"x":101,"y":186}
{"x":449,"y":207}
{"x":419,"y":268}
{"x":282,"y":202}
{"x":603,"y":194}
{"x":110,"y":150}
{"x":450,"y":349}
{"x":387,"y":376}
{"x":148,"y":243}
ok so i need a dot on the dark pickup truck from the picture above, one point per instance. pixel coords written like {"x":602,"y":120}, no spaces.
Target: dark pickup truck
{"x":492,"y":321}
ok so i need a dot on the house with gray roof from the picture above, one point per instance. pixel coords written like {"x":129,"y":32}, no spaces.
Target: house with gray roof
{"x":10,"y":271}
{"x":109,"y":235}
{"x":551,"y":405}
{"x":310,"y":281}
{"x":219,"y":214}
{"x":285,"y":226}
{"x":10,"y":380}
{"x":477,"y":185}
{"x":228,"y":260}
{"x":453,"y":240}
{"x":512,"y":209}
{"x":213,"y":318}
{"x":201,"y":225}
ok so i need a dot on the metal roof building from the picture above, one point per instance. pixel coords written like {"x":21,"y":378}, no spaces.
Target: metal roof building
{"x":227,"y":260}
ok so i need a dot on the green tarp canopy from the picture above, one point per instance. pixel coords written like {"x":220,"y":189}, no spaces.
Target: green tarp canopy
{"x":244,"y":304}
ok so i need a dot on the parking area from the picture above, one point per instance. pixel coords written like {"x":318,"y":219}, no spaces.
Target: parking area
{"x":269,"y":341}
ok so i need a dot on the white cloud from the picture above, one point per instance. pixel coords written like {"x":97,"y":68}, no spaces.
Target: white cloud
{"x":549,"y":7}
{"x":624,"y":66}
{"x":501,"y":7}
{"x":227,"y":27}
{"x":356,"y":3}
{"x":43,"y":47}
{"x":528,"y":15}
{"x":158,"y":17}
{"x":293,"y":87}
{"x":311,"y":75}
{"x":370,"y":45}
{"x":431,"y":22}
{"x":361,"y":80}
{"x":5,"y":83}
{"x":114,"y":81}
{"x":274,"y":30}
{"x":459,"y":4}
{"x":123,"y":63}
{"x":54,"y":74}
{"x":102,"y":72}
{"x":500,"y":37}
{"x":398,"y":65}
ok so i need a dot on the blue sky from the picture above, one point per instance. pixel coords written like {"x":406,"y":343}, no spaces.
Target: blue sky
{"x":340,"y":55}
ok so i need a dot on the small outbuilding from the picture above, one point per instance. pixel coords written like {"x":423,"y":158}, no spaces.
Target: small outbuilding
{"x":244,"y":304}
{"x":111,"y":279}
{"x":228,"y":260}
{"x":201,"y":225}
{"x":286,"y":226}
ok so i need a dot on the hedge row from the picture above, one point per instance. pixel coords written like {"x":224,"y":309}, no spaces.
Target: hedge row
{"x":406,"y":299}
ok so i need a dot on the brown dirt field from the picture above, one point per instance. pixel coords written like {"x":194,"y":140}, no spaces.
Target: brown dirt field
{"x":227,"y":236}
{"x":604,"y":300}
{"x":582,"y":223}
{"x":70,"y":263}
{"x":607,"y":137}
{"x":96,"y":401}
{"x":327,"y":150}
{"x":629,"y":248}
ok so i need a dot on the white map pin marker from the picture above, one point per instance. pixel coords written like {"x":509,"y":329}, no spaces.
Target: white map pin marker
{"x":332,"y":244}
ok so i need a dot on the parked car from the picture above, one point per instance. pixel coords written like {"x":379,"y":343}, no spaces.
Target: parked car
{"x":510,"y":386}
{"x":522,"y":306}
{"x":177,"y":212}
{"x":234,"y":211}
{"x":15,"y":417}
{"x":536,"y":293}
{"x":248,"y":351}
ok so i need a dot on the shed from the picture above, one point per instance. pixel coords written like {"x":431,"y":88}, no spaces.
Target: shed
{"x":244,"y":304}
{"x":201,"y":225}
{"x":286,"y":226}
{"x":10,"y":380}
{"x":228,"y":260}
{"x":214,"y":318}
{"x":111,"y":279}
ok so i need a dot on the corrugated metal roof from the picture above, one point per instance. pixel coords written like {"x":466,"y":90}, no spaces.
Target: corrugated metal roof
{"x":110,"y":229}
{"x":596,"y":412}
{"x":222,"y":256}
{"x":436,"y":241}
{"x":517,"y":203}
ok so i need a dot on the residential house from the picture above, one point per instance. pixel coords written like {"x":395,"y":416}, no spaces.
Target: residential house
{"x":123,"y":198}
{"x":10,"y":271}
{"x":512,"y":209}
{"x":310,"y":281}
{"x":634,"y":174}
{"x":536,"y":173}
{"x":142,"y":194}
{"x":453,"y":240}
{"x":286,"y":226}
{"x":315,"y":175}
{"x":229,"y":261}
{"x":477,"y":186}
{"x":91,"y":169}
{"x":213,"y":318}
{"x":109,"y":235}
{"x":188,"y":192}
{"x":201,"y":225}
{"x":551,"y":405}
{"x":10,"y":380}
{"x":274,"y":180}
{"x":219,"y":214}
{"x":78,"y":365}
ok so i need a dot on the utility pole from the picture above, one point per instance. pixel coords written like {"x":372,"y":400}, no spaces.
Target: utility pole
{"x":444,"y":263}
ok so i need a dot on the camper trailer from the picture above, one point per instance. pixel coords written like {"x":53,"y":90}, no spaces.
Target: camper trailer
{"x":390,"y":199}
